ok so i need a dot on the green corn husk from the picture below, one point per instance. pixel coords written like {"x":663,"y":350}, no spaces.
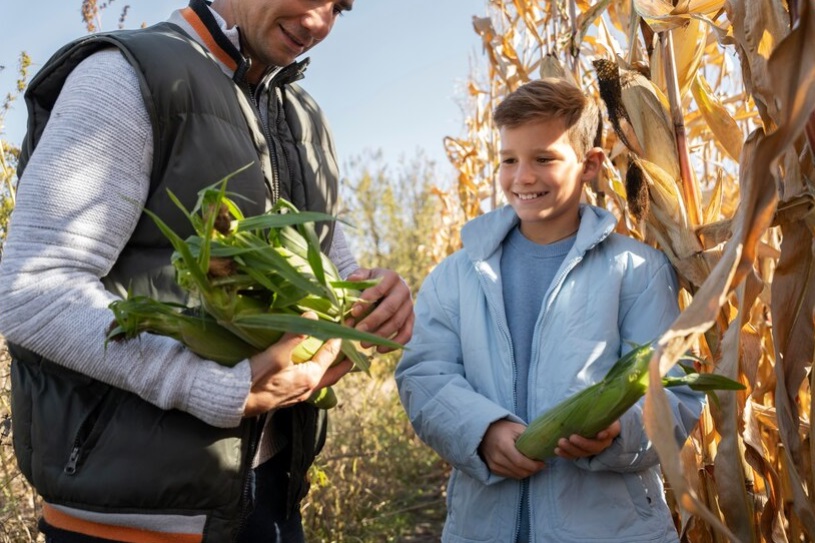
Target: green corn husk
{"x":594,"y":408}
{"x":250,"y":280}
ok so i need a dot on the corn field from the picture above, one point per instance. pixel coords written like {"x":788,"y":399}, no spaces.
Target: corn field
{"x":710,"y":143}
{"x":709,"y":139}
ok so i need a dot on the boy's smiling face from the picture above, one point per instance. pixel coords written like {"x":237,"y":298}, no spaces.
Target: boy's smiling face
{"x":542,"y":178}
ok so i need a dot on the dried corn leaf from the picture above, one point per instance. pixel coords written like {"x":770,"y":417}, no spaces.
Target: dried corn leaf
{"x":792,"y":70}
{"x":793,"y":302}
{"x":666,"y":195}
{"x":752,"y":218}
{"x":705,"y":6}
{"x":758,"y":457}
{"x":643,"y":104}
{"x":657,"y":410}
{"x":714,"y":206}
{"x":732,"y":496}
{"x":718,"y":119}
{"x":757,"y":28}
{"x":659,"y":14}
{"x":619,"y":13}
{"x":552,"y":67}
{"x":689,"y":43}
{"x":586,"y":19}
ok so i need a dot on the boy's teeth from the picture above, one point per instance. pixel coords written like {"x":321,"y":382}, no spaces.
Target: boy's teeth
{"x":528,"y":196}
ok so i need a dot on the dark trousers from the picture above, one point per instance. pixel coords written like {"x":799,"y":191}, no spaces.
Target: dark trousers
{"x":266,"y":524}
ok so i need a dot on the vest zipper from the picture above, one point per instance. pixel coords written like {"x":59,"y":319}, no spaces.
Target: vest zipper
{"x":81,"y":437}
{"x":240,"y":79}
{"x":70,"y":467}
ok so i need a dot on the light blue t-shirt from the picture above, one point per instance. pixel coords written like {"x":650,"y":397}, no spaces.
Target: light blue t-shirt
{"x":527,"y":270}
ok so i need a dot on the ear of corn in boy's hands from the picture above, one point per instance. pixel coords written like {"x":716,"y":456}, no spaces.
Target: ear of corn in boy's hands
{"x":251,"y":280}
{"x":594,"y":408}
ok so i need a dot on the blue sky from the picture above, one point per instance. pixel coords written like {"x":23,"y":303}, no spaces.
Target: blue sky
{"x":391,"y":76}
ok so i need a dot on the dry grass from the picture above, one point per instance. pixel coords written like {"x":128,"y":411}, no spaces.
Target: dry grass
{"x":374,"y":481}
{"x":18,"y":501}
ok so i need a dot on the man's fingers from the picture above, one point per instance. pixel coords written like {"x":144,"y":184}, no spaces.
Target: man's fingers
{"x":327,"y":353}
{"x":335,"y":373}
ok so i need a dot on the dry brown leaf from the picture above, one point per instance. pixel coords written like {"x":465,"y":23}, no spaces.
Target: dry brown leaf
{"x":732,"y":497}
{"x":551,"y":67}
{"x":757,"y":28}
{"x":793,"y":302}
{"x":650,"y":121}
{"x":718,"y":119}
{"x":705,"y":6}
{"x":586,"y":19}
{"x":689,"y":43}
{"x":713,"y":209}
{"x":655,"y":411}
{"x":659,"y":14}
{"x":752,"y":219}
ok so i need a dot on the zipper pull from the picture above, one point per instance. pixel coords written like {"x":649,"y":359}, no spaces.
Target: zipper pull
{"x":70,"y":468}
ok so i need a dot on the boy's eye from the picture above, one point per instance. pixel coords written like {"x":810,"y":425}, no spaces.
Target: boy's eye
{"x":508,"y":160}
{"x":544,"y":159}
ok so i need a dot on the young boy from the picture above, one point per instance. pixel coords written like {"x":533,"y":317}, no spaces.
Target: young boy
{"x":540,"y":303}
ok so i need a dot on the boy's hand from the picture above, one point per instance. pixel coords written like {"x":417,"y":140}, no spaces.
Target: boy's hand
{"x":499,"y":452}
{"x":579,"y":447}
{"x":392,"y":314}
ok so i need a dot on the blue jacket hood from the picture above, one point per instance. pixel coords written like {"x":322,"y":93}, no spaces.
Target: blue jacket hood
{"x":483,"y":235}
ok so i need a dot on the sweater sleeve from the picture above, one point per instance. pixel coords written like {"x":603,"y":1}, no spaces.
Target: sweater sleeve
{"x":340,"y":254}
{"x":78,"y":203}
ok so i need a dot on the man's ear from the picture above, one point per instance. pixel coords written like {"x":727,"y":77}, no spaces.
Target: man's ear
{"x":593,"y":163}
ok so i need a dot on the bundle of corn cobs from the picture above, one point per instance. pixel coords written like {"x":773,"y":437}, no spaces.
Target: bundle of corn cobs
{"x":250,"y":280}
{"x":596,"y":407}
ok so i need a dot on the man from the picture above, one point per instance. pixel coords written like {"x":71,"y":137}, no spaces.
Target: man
{"x":143,"y":440}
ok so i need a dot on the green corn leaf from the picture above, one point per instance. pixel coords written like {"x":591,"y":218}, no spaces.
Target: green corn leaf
{"x":190,"y":262}
{"x":310,"y":327}
{"x":271,"y":221}
{"x":703,"y":382}
{"x":361,"y":361}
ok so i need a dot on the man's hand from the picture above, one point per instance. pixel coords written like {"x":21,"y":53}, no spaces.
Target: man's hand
{"x":279,"y":382}
{"x":392,"y":313}
{"x":499,"y":452}
{"x":579,"y":447}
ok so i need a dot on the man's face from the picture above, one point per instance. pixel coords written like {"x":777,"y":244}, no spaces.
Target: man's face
{"x":542,"y":178}
{"x":275,"y":32}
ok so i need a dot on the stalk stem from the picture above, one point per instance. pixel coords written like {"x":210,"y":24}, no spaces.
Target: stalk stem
{"x":690,"y":191}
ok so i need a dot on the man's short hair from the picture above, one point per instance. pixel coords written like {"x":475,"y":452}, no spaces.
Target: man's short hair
{"x":553,"y":98}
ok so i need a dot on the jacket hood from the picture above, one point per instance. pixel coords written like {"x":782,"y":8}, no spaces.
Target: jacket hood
{"x":483,"y":235}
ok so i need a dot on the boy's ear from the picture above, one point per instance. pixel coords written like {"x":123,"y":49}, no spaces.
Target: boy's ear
{"x":593,"y":163}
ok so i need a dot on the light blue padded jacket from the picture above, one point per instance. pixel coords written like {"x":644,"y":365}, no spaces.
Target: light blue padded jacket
{"x":457,"y":376}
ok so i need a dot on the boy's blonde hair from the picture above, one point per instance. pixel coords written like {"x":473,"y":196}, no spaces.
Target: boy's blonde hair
{"x":550,"y":98}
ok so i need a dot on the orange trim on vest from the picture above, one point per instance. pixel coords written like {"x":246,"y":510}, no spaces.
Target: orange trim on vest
{"x":58,"y":519}
{"x":197,"y":25}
